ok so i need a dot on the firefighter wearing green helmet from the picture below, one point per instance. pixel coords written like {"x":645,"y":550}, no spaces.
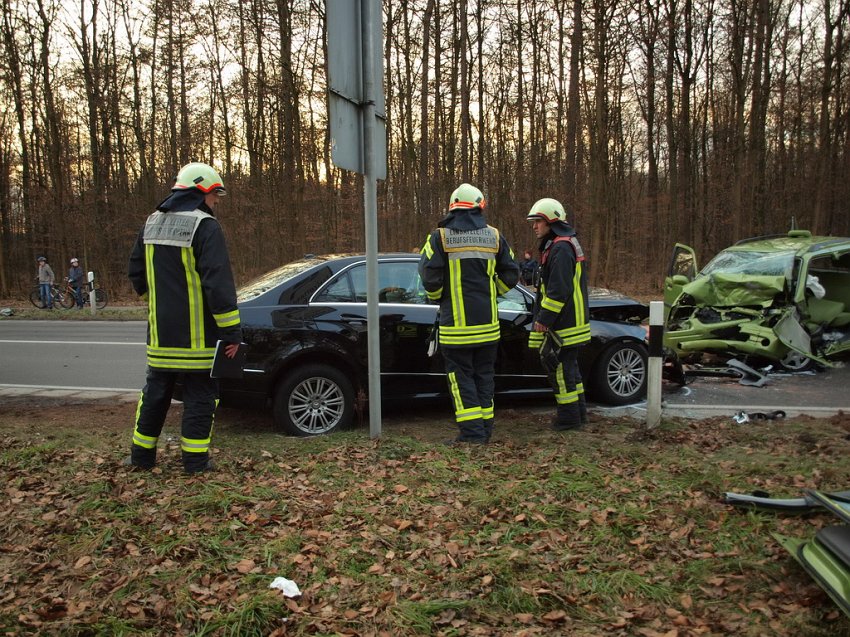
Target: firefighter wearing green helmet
{"x":464,"y":265}
{"x":561,"y":312}
{"x":180,"y":265}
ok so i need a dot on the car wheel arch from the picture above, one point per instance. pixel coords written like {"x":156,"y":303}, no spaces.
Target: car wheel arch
{"x":310,"y":357}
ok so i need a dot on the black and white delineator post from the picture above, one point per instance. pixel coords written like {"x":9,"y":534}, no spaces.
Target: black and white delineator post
{"x":655,"y":363}
{"x":91,"y":293}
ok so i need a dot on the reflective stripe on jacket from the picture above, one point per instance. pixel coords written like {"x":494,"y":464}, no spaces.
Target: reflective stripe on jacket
{"x":180,"y":265}
{"x":562,"y":302}
{"x":464,"y":271}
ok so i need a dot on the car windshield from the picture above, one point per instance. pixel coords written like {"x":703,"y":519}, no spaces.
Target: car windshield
{"x":271,"y":279}
{"x":754,"y":263}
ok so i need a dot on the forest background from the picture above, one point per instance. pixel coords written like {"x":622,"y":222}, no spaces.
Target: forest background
{"x":655,"y":121}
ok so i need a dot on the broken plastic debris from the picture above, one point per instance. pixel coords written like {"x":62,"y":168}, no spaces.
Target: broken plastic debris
{"x":287,"y":586}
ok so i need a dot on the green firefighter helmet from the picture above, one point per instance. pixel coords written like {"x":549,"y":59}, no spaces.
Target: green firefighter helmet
{"x":201,"y":176}
{"x":466,"y":197}
{"x":550,"y":210}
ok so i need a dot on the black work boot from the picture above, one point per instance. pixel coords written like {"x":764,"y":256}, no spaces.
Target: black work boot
{"x":197,"y":463}
{"x":140,"y":458}
{"x":567,"y":417}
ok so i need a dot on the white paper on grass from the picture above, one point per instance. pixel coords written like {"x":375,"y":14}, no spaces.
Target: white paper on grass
{"x":287,"y":586}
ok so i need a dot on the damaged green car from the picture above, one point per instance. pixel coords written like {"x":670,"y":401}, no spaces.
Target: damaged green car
{"x":781,"y":299}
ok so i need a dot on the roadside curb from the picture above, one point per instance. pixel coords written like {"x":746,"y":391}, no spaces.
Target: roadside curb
{"x":69,"y":393}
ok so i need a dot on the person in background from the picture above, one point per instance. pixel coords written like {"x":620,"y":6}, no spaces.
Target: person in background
{"x":527,"y":268}
{"x":561,"y":310}
{"x":180,"y":265}
{"x":465,"y":265}
{"x":75,"y":277}
{"x":46,"y":279}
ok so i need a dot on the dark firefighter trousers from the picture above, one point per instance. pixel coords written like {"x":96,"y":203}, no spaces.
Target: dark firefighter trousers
{"x":200,"y":398}
{"x":569,"y":391}
{"x":469,"y":372}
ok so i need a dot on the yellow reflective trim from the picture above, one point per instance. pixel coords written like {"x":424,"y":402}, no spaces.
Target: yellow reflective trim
{"x":487,"y":412}
{"x":173,"y":363}
{"x":470,"y":416}
{"x":150,"y":273}
{"x":455,"y":392}
{"x":427,"y":249}
{"x":435,"y":295}
{"x":456,"y":288}
{"x":578,"y":300}
{"x":194,"y":294}
{"x":551,"y":304}
{"x":185,"y":352}
{"x":227,"y":319}
{"x":491,"y":278}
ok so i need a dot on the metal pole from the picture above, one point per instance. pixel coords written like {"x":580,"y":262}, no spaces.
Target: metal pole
{"x":654,"y":365}
{"x":370,"y":210}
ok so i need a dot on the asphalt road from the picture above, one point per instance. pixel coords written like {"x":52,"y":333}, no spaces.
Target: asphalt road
{"x":109,"y":356}
{"x":106,"y":355}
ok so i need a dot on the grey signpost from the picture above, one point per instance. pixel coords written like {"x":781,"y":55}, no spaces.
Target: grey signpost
{"x":358,"y":142}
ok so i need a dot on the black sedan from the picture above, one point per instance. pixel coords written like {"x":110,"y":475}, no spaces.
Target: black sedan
{"x":305,"y":325}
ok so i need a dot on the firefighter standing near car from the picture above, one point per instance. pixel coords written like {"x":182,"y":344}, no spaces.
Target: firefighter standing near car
{"x":561,"y":312}
{"x":465,"y":265}
{"x":180,"y":265}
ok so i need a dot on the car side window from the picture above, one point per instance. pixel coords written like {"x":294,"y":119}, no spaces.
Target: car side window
{"x":398,"y":282}
{"x":337,"y":291}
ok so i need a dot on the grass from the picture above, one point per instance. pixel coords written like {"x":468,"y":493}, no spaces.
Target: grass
{"x":602,"y":531}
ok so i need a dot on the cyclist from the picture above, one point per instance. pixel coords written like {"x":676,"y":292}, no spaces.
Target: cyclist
{"x":75,"y":278}
{"x":46,"y":279}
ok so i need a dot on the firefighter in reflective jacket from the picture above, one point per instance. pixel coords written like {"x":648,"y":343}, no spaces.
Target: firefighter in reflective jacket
{"x":465,"y":265}
{"x":180,"y":265}
{"x":561,"y":314}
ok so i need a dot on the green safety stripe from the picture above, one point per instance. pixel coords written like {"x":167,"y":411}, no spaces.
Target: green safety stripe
{"x":182,"y":352}
{"x":435,"y":295}
{"x":470,"y":335}
{"x":574,"y":335}
{"x":194,"y":294}
{"x":535,"y":339}
{"x":491,"y":277}
{"x":140,"y":439}
{"x":427,"y":249}
{"x":578,"y":299}
{"x":191,"y":445}
{"x":151,"y":276}
{"x":227,"y":319}
{"x":462,"y":414}
{"x":182,"y":364}
{"x":487,"y":412}
{"x":552,"y":305}
{"x":456,"y":287}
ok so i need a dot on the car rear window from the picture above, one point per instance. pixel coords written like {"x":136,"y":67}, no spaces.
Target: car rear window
{"x":272,"y":279}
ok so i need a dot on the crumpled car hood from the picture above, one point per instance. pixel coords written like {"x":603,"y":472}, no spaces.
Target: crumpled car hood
{"x":734,"y":290}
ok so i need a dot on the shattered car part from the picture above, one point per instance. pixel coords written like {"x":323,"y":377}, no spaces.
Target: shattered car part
{"x":782,"y":299}
{"x":828,"y":570}
{"x":762,"y":500}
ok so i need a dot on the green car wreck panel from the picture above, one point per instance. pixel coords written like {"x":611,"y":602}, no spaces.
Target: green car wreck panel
{"x":782,"y":299}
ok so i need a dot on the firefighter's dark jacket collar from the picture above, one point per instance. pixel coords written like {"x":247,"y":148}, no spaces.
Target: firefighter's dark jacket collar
{"x":464,"y":220}
{"x":183,"y":200}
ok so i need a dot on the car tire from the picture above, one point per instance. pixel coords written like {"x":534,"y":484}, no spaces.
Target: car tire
{"x":313,"y":400}
{"x":619,"y":374}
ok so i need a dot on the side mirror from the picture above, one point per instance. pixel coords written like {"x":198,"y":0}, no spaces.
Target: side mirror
{"x":679,"y":279}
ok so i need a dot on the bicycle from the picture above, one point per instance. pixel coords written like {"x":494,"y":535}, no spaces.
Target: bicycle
{"x":70,"y":296}
{"x":67,"y":297}
{"x":59,"y":296}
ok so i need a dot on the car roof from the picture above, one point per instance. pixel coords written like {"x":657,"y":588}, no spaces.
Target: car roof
{"x":798,"y":241}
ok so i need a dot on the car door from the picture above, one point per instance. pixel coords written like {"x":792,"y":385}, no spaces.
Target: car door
{"x":683,"y":269}
{"x":517,"y":365}
{"x":406,"y":322}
